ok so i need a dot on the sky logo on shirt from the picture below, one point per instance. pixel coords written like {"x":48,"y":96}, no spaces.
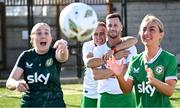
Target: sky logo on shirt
{"x":146,"y":88}
{"x":38,"y":78}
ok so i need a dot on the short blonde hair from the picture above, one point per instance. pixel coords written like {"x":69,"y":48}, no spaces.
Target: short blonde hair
{"x":35,"y":28}
{"x":154,"y":19}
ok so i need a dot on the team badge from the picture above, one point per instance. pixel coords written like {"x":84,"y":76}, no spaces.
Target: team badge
{"x":159,"y":69}
{"x":49,"y":62}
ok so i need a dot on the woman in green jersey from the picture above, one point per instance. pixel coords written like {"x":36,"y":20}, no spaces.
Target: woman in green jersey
{"x":37,"y":70}
{"x":153,"y":73}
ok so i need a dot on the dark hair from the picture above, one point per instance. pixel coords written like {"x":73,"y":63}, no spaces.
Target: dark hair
{"x":114,"y":15}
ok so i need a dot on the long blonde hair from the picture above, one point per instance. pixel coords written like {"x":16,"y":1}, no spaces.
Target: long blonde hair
{"x":154,"y":19}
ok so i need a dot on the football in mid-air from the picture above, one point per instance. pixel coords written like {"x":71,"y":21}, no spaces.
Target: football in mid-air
{"x":78,"y":21}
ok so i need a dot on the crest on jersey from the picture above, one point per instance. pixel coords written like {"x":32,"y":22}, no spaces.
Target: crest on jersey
{"x":49,"y":62}
{"x":159,"y":69}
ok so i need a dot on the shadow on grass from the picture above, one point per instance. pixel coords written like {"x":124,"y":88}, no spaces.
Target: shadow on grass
{"x":175,"y":98}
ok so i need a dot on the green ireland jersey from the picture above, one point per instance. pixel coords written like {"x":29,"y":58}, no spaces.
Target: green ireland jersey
{"x":164,"y":67}
{"x":42,"y":74}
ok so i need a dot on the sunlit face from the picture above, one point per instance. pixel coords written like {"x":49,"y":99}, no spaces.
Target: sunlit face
{"x":150,"y":33}
{"x":42,"y":39}
{"x":99,"y":36}
{"x":114,"y":27}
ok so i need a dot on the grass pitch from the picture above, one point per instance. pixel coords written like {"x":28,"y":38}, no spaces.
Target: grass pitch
{"x":72,"y":96}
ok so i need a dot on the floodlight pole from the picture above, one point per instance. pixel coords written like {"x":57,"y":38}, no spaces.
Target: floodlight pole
{"x":30,"y":18}
{"x":79,"y":57}
{"x":124,"y":16}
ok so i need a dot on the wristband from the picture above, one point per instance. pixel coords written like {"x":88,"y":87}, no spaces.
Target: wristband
{"x":115,"y":50}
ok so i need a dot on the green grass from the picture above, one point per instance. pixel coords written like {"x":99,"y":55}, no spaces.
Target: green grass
{"x":72,"y":96}
{"x":176,"y":96}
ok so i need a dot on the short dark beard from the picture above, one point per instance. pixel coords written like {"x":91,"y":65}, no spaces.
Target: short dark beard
{"x":112,"y":33}
{"x":113,"y":37}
